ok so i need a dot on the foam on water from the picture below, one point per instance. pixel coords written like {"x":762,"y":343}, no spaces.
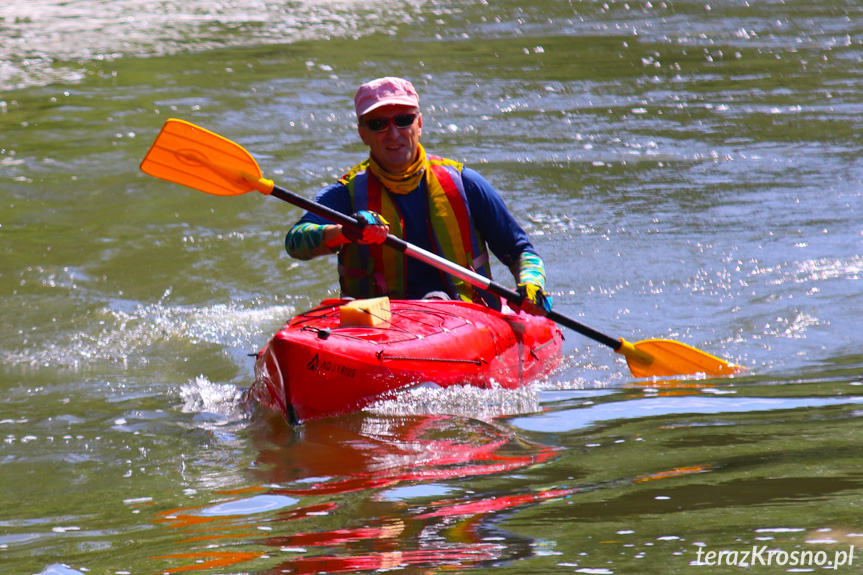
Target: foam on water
{"x":44,"y":41}
{"x":128,"y":332}
{"x":462,"y":401}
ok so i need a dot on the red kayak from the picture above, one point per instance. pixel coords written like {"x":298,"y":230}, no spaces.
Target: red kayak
{"x":321,"y":365}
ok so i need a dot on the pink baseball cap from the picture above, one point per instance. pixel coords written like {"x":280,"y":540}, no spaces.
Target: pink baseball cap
{"x":385,"y":92}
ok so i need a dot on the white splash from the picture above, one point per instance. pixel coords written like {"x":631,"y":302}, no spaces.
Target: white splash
{"x":203,"y":396}
{"x":463,"y":401}
{"x":128,"y":333}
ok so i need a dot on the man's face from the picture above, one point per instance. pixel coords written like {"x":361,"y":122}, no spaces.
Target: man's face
{"x":393,"y":148}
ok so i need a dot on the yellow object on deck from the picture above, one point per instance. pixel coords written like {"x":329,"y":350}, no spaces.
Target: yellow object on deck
{"x":365,"y":312}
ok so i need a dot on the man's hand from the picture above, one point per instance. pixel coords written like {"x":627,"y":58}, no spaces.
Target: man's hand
{"x":373,"y":228}
{"x":534,"y":300}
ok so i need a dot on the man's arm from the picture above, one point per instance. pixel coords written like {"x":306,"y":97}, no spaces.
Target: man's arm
{"x":313,"y":236}
{"x":507,"y":240}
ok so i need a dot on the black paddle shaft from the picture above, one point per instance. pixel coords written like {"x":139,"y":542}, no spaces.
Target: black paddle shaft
{"x":469,"y":276}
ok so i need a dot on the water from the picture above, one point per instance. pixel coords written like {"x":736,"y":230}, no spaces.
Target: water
{"x":689,"y":170}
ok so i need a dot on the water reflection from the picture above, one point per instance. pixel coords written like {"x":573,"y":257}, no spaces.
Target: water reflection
{"x":567,"y":417}
{"x":364,"y":452}
{"x":365,"y":492}
{"x":374,"y":470}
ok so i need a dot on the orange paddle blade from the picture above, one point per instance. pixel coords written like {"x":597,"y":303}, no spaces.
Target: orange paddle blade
{"x":669,"y":358}
{"x":189,"y":155}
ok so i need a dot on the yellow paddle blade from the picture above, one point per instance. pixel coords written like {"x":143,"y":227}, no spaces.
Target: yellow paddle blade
{"x":191,"y":156}
{"x":664,"y":358}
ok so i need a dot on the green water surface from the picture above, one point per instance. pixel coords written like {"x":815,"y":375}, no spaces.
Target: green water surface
{"x":688,"y":170}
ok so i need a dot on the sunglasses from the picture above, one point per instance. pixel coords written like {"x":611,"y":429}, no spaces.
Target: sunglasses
{"x":401,"y":122}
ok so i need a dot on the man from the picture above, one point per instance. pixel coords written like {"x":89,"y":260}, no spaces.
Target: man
{"x":431,"y":202}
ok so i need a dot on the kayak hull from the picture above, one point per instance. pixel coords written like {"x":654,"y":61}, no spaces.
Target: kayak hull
{"x":315,"y":368}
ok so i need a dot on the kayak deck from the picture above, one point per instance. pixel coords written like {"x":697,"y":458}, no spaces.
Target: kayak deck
{"x":313,"y":367}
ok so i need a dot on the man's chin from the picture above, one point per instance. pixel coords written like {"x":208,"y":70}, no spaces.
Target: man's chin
{"x":397,"y":166}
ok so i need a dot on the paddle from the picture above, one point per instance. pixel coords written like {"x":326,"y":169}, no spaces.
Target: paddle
{"x":192,"y":156}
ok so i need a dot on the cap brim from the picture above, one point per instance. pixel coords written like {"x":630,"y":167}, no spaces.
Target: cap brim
{"x":388,"y":102}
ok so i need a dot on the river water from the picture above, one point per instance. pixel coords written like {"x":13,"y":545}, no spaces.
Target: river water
{"x":689,"y":170}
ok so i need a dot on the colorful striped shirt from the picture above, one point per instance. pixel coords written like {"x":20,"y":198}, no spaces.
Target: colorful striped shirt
{"x":506,"y":239}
